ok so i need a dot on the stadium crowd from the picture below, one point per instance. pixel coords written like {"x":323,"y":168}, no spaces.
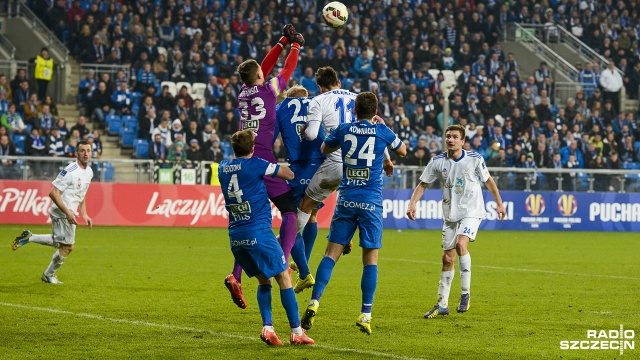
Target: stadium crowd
{"x":388,"y":47}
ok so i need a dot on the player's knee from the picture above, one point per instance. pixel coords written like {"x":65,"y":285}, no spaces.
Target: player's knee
{"x":65,"y":250}
{"x":447,"y":259}
{"x":462,"y":244}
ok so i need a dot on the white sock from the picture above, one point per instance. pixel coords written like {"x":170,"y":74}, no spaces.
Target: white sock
{"x":297,"y":330}
{"x":444,"y":287}
{"x":464,"y":262}
{"x":269,"y":328}
{"x":367,"y":316}
{"x":56,"y":262}
{"x":42,"y":239}
{"x":303,"y":218}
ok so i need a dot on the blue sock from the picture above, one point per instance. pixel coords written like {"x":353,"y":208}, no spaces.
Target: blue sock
{"x":290,"y":305}
{"x":323,"y":275}
{"x":297,"y":254}
{"x":264,"y":303}
{"x":368,"y":285}
{"x":309,"y":234}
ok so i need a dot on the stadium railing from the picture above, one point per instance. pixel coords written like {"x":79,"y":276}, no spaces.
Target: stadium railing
{"x":567,"y":37}
{"x":10,"y":67}
{"x":7,"y":46}
{"x":532,"y":33}
{"x":405,"y":177}
{"x":104,"y":170}
{"x":22,"y":9}
{"x":99,"y":69}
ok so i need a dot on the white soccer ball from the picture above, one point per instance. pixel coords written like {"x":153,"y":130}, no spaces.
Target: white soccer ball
{"x":335,"y":14}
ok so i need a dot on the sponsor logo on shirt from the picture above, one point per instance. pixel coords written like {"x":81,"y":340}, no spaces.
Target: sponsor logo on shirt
{"x":358,"y":174}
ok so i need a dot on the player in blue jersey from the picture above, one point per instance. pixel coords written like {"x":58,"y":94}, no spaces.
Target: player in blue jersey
{"x":305,"y":159}
{"x":359,"y":203}
{"x":253,"y":244}
{"x":461,"y":174}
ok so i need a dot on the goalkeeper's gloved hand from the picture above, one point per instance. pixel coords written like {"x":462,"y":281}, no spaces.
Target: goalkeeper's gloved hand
{"x":288,"y":32}
{"x":298,"y":39}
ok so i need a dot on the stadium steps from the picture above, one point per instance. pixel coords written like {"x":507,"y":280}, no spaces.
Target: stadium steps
{"x":526,"y":64}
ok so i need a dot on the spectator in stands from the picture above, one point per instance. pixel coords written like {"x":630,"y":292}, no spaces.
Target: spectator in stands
{"x":161,"y":68}
{"x":197,"y":113}
{"x":55,"y":143}
{"x":164,"y":130}
{"x":611,"y":82}
{"x":627,"y":150}
{"x":588,"y":79}
{"x":176,"y":153}
{"x":17,"y":86}
{"x":177,"y":127}
{"x":43,"y":71}
{"x":70,"y":149}
{"x":8,"y":168}
{"x":86,"y":88}
{"x":214,"y":152}
{"x":32,"y":109}
{"x":96,"y":143}
{"x":35,"y":144}
{"x":5,"y":87}
{"x":97,"y":52}
{"x":101,"y":104}
{"x":12,"y":121}
{"x":194,"y":69}
{"x":194,"y":153}
{"x":157,"y":149}
{"x":4,"y":103}
{"x":45,"y":121}
{"x":81,"y":127}
{"x":145,"y":78}
{"x":122,"y":100}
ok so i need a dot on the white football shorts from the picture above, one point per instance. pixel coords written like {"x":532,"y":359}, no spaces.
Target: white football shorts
{"x":63,"y":231}
{"x":450,"y":231}
{"x":325,"y":180}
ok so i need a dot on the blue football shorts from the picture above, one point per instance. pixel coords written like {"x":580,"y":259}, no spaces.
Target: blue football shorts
{"x":303,"y":171}
{"x":258,"y":252}
{"x":350,"y":215}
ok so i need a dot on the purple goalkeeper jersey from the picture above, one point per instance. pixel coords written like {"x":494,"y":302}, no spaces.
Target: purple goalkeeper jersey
{"x":257,"y":106}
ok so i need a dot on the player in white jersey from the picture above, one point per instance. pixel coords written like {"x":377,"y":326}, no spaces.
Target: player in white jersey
{"x":68,"y":201}
{"x":461,"y":173}
{"x":331,"y":108}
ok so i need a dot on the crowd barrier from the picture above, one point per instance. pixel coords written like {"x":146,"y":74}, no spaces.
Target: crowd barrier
{"x":27,"y":202}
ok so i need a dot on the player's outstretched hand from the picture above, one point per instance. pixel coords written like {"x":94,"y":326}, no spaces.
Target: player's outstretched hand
{"x":88,"y":221}
{"x":71,"y":218}
{"x":299,"y":39}
{"x":411,"y":212}
{"x":387,"y":166}
{"x":288,"y":32}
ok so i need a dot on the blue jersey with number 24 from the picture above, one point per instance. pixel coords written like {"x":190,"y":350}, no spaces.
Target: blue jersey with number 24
{"x":362,"y":145}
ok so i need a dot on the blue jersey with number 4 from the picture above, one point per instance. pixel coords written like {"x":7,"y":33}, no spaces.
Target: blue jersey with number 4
{"x":291,"y":117}
{"x":362,"y":145}
{"x":245,"y":195}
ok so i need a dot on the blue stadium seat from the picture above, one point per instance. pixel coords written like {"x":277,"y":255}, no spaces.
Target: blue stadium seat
{"x":136,"y":98}
{"x":636,"y":145}
{"x":109,"y":171}
{"x":128,"y":136}
{"x":135,"y":110}
{"x":212,"y":111}
{"x":141,"y":147}
{"x":18,"y":141}
{"x":114,"y":123}
{"x":130,"y":122}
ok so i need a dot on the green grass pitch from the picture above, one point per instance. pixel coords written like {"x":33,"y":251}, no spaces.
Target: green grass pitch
{"x":158,"y":293}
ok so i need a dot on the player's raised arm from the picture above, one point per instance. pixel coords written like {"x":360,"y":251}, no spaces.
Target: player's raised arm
{"x":417,"y":195}
{"x":288,"y":32}
{"x":493,"y":189}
